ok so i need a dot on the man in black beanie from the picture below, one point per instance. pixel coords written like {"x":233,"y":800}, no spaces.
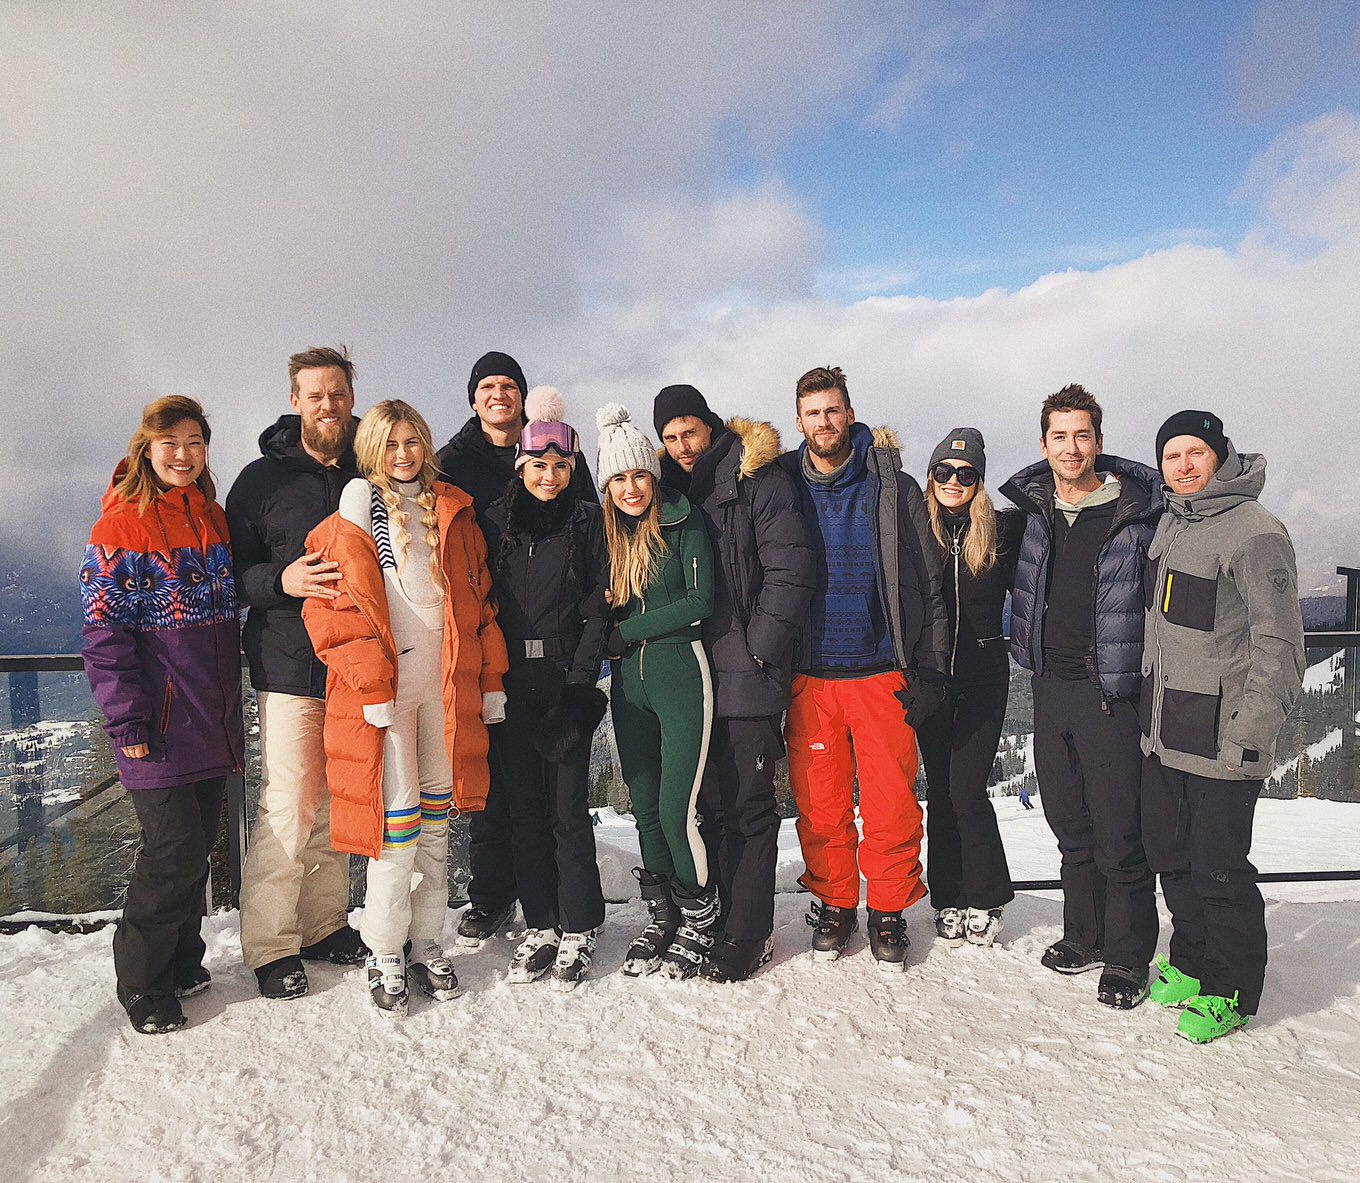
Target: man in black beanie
{"x":765,"y":579}
{"x":480,"y":460}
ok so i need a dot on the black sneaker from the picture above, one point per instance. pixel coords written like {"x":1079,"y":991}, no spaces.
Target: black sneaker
{"x":343,"y":947}
{"x":479,"y":924}
{"x":735,"y":959}
{"x":387,"y":983}
{"x":1123,"y":988}
{"x":888,"y":940}
{"x":284,"y":978}
{"x":192,"y":981}
{"x":832,"y":927}
{"x":1071,"y":957}
{"x":152,"y":1014}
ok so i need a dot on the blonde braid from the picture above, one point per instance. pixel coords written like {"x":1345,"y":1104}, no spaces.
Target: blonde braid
{"x":430,"y":520}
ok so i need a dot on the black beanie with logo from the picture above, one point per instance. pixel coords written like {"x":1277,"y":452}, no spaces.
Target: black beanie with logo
{"x":1203,"y":425}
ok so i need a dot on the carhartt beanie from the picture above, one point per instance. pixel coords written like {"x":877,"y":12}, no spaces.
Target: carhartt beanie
{"x":963,"y":443}
{"x":675,"y":402}
{"x":496,"y":363}
{"x":1203,"y":425}
{"x":623,"y":447}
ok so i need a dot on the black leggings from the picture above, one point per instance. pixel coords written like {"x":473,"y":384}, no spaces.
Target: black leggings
{"x":966,"y":862}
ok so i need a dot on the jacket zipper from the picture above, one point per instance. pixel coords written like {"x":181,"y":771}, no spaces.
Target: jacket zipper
{"x":954,"y":648}
{"x":1158,"y":698}
{"x":165,"y":705}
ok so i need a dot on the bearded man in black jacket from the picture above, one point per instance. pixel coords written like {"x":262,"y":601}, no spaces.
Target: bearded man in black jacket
{"x":765,"y":576}
{"x":294,"y":887}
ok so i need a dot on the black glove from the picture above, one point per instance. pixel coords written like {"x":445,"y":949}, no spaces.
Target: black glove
{"x":615,"y":645}
{"x":567,"y":727}
{"x":922,"y":698}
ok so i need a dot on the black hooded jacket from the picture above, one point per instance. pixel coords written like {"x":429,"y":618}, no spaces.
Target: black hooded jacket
{"x":550,"y":571}
{"x":275,"y":503}
{"x":482,"y":470}
{"x":764,"y":561}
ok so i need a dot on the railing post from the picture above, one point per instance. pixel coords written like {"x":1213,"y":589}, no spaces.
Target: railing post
{"x":1350,"y":685}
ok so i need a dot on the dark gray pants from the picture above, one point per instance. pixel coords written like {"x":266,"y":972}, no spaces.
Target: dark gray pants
{"x":1198,"y":833}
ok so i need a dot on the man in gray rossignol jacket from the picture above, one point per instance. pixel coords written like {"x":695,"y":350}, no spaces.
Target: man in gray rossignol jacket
{"x":1223,"y":663}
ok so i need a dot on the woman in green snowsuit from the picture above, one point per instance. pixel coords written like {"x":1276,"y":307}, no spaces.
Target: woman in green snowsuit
{"x":661,"y":566}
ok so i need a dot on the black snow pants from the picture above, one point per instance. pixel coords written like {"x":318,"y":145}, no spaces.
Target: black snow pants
{"x":740,"y":821}
{"x":966,"y":862}
{"x":1088,"y":760}
{"x":159,"y":939}
{"x":1198,"y":834}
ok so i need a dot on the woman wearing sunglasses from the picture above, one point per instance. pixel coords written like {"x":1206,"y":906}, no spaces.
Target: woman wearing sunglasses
{"x":970,"y":882}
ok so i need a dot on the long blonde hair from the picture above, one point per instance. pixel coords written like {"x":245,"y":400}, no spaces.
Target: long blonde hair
{"x":370,"y":450}
{"x":140,"y":483}
{"x":634,"y":554}
{"x":979,"y":547}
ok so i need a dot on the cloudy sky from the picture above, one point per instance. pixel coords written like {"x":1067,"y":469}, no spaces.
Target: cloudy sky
{"x":965,"y":205}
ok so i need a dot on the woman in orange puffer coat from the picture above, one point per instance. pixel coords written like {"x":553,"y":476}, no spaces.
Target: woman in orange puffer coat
{"x":415,"y":662}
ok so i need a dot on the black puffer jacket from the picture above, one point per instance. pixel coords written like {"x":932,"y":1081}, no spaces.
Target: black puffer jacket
{"x":908,"y":559}
{"x":274,"y":504}
{"x":974,"y":603}
{"x":1115,"y":661}
{"x":764,"y":561}
{"x":482,"y":470}
{"x":550,"y":571}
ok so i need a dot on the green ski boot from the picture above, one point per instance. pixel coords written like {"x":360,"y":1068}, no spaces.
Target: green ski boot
{"x":1171,"y":987}
{"x":1207,"y":1016}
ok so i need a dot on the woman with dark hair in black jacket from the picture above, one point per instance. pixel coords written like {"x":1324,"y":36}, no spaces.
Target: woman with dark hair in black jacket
{"x":970,"y":882}
{"x":546,"y":550}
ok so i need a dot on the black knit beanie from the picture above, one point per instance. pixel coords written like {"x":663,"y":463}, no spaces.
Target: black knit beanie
{"x":675,"y":402}
{"x":963,"y":443}
{"x":496,"y":363}
{"x":1203,"y":425}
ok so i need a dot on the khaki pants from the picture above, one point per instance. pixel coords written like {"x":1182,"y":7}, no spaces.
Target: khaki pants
{"x":294,"y":887}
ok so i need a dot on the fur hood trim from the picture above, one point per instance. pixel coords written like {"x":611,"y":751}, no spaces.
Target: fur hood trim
{"x":760,"y":444}
{"x":886,"y":437}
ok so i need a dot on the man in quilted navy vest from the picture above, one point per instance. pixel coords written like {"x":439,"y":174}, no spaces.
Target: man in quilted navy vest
{"x":1077,"y":623}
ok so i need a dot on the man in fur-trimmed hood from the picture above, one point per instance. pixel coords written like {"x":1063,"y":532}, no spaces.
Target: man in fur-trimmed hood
{"x":765,"y":576}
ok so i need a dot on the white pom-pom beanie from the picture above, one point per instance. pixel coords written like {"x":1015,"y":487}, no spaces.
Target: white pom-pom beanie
{"x":623,"y":447}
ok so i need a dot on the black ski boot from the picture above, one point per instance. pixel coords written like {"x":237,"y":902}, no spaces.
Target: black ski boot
{"x":699,"y":913}
{"x":479,"y":924}
{"x":644,"y":954}
{"x":888,"y":940}
{"x":1071,"y":957}
{"x":734,"y":959}
{"x":831,"y":929}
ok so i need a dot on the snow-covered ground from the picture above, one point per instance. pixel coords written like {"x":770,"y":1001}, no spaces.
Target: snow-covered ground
{"x":974,"y":1065}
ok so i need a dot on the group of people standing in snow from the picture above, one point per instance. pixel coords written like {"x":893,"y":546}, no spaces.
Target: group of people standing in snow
{"x":425,"y":633}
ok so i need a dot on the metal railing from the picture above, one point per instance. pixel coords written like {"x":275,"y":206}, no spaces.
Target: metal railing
{"x":93,"y":799}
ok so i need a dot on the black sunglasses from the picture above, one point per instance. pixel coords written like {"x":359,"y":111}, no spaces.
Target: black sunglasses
{"x":942,"y":474}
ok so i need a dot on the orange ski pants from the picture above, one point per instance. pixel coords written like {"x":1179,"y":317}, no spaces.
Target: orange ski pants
{"x":837,"y":730}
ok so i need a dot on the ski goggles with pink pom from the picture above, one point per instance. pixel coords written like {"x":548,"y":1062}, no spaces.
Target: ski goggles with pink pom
{"x":537,"y":439}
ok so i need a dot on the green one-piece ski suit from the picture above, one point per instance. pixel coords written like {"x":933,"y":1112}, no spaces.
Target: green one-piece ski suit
{"x":662,"y":698}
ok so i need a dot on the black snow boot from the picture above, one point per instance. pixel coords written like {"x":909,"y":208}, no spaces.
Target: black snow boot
{"x":888,"y":940}
{"x":699,"y":913}
{"x":831,"y":929}
{"x":644,"y":954}
{"x":479,"y":924}
{"x":1071,"y":957}
{"x":1122,"y":988}
{"x":734,"y":959}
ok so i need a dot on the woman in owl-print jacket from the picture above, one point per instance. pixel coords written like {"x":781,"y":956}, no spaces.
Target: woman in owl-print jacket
{"x":162,"y":655}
